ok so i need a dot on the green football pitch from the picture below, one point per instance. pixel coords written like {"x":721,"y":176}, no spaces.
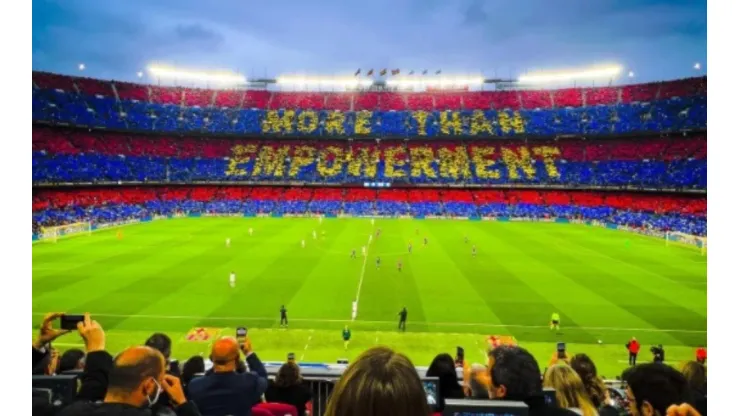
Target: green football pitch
{"x":173,"y":276}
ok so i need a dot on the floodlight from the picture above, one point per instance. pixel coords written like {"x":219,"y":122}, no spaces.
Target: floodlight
{"x":139,"y":74}
{"x":697,"y":66}
{"x":220,"y":77}
{"x":631,"y":74}
{"x":81,"y":67}
{"x":555,"y":76}
{"x":326,"y":82}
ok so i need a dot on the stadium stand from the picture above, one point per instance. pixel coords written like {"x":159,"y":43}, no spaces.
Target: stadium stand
{"x":674,"y":162}
{"x":660,"y":107}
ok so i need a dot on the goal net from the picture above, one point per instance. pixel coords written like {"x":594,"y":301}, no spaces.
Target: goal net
{"x":700,"y":243}
{"x":53,"y":234}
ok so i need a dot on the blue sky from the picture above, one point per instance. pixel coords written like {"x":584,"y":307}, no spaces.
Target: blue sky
{"x":658,"y":39}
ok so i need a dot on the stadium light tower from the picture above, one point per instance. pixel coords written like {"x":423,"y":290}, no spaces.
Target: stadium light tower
{"x":140,"y":74}
{"x":631,"y":74}
{"x":697,"y":66}
{"x":81,"y":67}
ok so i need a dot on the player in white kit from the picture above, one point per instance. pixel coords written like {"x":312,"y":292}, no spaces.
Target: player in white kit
{"x":250,"y":230}
{"x":314,"y":234}
{"x":364,"y":251}
{"x":232,"y":279}
{"x":228,"y":242}
{"x":354,"y":310}
{"x":303,"y":243}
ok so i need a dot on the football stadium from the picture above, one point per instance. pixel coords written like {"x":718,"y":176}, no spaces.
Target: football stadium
{"x":475,"y":219}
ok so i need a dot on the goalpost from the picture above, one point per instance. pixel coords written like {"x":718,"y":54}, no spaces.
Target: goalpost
{"x":673,"y":237}
{"x":53,"y":234}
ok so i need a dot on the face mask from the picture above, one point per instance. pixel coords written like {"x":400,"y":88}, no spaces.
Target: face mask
{"x":156,"y":395}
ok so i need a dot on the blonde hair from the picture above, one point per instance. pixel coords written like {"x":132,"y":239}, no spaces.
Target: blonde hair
{"x":696,"y":375}
{"x":569,"y":389}
{"x":380,"y":382}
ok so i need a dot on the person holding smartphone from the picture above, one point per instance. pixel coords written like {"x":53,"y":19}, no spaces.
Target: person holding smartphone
{"x":226,"y":391}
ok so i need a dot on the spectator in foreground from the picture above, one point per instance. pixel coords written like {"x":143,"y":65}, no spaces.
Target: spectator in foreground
{"x":194,"y":365}
{"x":162,"y":343}
{"x":380,"y":382}
{"x":71,"y":360}
{"x":696,"y":376}
{"x":515,"y":375}
{"x":126,"y":385}
{"x":570,"y":392}
{"x":653,"y":388}
{"x":224,"y":391}
{"x":288,"y":388}
{"x":443,"y":367}
{"x":479,"y":382}
{"x":595,"y":387}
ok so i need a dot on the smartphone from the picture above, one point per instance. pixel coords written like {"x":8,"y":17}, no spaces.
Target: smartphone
{"x":241,"y":334}
{"x":70,"y":321}
{"x":561,"y":350}
{"x":460,"y":358}
{"x":291,"y":356}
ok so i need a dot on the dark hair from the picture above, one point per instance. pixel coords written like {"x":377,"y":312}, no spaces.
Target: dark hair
{"x":658,"y":384}
{"x":443,"y":366}
{"x":127,"y":377}
{"x":160,"y":342}
{"x":515,"y":368}
{"x":586,"y":369}
{"x":194,"y":365}
{"x":379,"y":382}
{"x":288,"y":375}
{"x":70,"y":359}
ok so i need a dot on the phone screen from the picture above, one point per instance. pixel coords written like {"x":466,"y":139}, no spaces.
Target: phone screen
{"x":70,"y":321}
{"x":460,"y":355}
{"x":241,"y":334}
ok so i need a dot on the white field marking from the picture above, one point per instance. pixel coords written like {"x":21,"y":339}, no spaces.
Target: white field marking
{"x":362,"y":273}
{"x":233,"y":318}
{"x":306,"y":347}
{"x":645,"y":362}
{"x":69,"y":344}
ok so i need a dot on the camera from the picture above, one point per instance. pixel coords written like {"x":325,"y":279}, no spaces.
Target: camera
{"x":658,"y":353}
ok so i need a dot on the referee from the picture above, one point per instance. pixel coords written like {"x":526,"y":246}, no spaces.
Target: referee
{"x":402,"y":319}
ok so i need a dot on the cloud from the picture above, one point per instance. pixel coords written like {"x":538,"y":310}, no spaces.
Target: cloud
{"x":117,"y":37}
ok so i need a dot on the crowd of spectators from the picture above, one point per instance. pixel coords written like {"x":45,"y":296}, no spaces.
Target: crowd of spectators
{"x":144,"y":380}
{"x":657,"y":107}
{"x":75,"y":156}
{"x":660,"y":212}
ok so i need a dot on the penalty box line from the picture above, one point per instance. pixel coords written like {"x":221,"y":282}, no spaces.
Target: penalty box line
{"x":446,"y":324}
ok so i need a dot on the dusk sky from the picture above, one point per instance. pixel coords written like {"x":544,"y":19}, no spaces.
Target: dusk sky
{"x":657,"y":39}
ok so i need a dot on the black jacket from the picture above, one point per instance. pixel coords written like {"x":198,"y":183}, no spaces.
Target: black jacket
{"x":119,"y":409}
{"x":230,"y":393}
{"x":538,"y":407}
{"x":94,"y":379}
{"x":296,"y":395}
